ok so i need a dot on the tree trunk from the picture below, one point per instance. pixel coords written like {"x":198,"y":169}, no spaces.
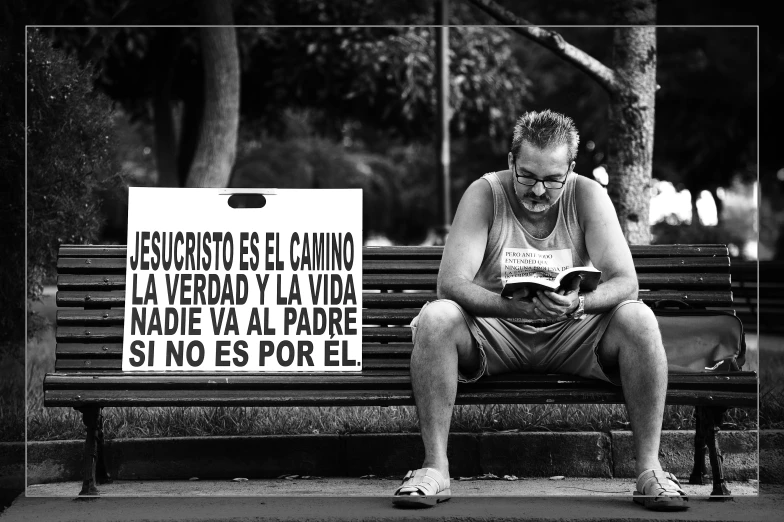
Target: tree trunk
{"x":217,"y":146}
{"x":165,"y":53}
{"x":631,"y":118}
{"x":190,"y":123}
{"x":631,"y":85}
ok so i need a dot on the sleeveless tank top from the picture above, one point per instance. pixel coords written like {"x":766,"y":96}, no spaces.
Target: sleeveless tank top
{"x":511,"y":250}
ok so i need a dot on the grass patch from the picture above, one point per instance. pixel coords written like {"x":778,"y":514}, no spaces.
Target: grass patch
{"x":771,"y":401}
{"x":65,"y":423}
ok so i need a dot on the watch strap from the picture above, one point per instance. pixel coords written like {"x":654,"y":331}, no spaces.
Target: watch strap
{"x":579,"y":313}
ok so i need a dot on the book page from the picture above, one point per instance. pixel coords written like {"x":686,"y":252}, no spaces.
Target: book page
{"x":529,"y":262}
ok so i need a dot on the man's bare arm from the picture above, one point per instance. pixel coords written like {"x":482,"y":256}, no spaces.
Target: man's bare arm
{"x":607,"y":249}
{"x":463,"y":254}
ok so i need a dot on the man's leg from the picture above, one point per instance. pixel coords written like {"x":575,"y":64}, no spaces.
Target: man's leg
{"x":633,"y":343}
{"x":443,"y":342}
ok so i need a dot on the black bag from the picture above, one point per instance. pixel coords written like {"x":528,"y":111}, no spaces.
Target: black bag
{"x":698,"y":340}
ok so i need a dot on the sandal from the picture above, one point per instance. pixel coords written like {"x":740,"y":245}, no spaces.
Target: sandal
{"x":423,"y":487}
{"x":660,"y":491}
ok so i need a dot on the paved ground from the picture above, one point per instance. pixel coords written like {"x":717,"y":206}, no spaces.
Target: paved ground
{"x":367,"y":487}
{"x":367,"y":499}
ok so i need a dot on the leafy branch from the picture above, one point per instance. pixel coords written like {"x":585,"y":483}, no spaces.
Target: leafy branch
{"x":603,"y":75}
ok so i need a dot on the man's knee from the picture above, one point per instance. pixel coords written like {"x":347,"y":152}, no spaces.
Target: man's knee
{"x":635,"y":317}
{"x":637,"y":326}
{"x":440,"y":321}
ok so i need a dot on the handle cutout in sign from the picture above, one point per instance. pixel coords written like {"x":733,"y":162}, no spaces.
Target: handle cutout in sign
{"x":247,"y":201}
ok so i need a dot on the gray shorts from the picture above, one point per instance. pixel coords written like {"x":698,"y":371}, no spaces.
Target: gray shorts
{"x":568,"y":347}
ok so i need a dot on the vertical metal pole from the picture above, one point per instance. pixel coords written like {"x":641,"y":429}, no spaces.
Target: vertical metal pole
{"x":443,"y":113}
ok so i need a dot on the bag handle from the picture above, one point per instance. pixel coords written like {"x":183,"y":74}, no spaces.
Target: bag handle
{"x":678,"y":303}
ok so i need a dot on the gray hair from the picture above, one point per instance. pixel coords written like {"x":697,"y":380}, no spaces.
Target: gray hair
{"x":544,"y":129}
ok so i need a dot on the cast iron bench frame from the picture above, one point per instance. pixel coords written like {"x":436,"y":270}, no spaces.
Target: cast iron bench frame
{"x":397,"y":281}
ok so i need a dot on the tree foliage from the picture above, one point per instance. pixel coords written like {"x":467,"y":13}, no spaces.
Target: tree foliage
{"x":706,"y":107}
{"x":383,"y":78}
{"x":12,"y":190}
{"x":69,"y":153}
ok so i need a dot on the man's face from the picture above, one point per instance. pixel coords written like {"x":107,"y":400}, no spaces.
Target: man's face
{"x":534,"y":165}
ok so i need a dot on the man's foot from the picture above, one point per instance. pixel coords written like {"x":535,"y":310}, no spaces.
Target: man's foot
{"x":424,"y":487}
{"x":658,"y":490}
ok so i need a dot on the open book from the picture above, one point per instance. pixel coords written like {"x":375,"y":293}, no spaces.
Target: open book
{"x":564,"y":280}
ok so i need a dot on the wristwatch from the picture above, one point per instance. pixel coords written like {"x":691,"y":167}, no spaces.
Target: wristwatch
{"x":579,"y":313}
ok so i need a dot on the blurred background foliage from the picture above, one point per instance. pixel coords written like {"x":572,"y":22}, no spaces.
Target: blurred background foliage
{"x":355,"y":107}
{"x":70,"y":158}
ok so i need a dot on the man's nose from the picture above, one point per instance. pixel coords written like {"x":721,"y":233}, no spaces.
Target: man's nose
{"x":538,"y":189}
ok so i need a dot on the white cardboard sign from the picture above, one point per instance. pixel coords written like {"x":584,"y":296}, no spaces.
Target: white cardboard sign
{"x":220,"y":289}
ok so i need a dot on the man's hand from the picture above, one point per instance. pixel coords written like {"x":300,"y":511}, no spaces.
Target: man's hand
{"x":554,"y":305}
{"x":544,"y":305}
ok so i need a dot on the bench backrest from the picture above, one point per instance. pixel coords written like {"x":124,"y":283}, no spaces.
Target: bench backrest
{"x":397,"y":281}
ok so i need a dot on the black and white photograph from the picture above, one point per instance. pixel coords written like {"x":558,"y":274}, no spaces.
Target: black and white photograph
{"x":374,"y":260}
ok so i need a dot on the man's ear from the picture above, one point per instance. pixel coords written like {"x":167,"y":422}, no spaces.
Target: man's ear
{"x":509,"y":160}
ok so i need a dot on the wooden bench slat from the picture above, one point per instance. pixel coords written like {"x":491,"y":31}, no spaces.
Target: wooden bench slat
{"x":82,"y":265}
{"x":95,"y":299}
{"x":164,"y":380}
{"x":75,"y":317}
{"x":108,"y":350}
{"x":400,"y":281}
{"x":92,"y":251}
{"x":91,"y":282}
{"x":434,"y":252}
{"x":90,"y":333}
{"x":115,"y":316}
{"x":683,"y":264}
{"x":653,"y":281}
{"x":115,"y":332}
{"x":116,"y":298}
{"x":378,"y":397}
{"x":401,"y":266}
{"x":379,"y":373}
{"x":426,"y":252}
{"x":115,"y":364}
{"x":109,"y":268}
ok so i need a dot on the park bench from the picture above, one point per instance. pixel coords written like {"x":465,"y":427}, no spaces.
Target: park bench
{"x":397,"y":281}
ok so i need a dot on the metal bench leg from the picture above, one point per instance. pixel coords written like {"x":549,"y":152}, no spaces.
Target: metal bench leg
{"x":90,"y":420}
{"x":102,"y":473}
{"x":711,"y":419}
{"x":699,"y":474}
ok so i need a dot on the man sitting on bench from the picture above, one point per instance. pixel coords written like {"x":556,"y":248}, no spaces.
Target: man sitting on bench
{"x":540,"y":211}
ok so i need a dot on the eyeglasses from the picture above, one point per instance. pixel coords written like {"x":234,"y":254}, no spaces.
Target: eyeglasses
{"x":531,"y":182}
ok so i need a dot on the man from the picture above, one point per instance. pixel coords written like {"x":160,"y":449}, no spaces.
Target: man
{"x":541,"y":211}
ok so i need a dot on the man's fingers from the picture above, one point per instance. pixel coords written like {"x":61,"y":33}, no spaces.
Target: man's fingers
{"x":545,"y":308}
{"x":556,"y":299}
